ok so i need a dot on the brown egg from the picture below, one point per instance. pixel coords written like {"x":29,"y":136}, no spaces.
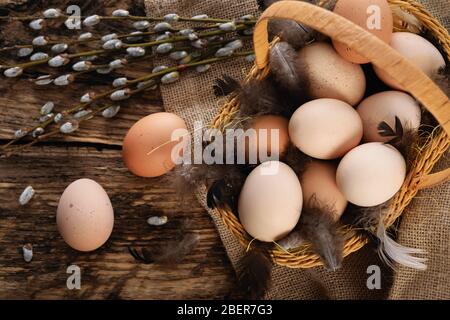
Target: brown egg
{"x":320,"y":188}
{"x":325,"y":129}
{"x":261,"y":142}
{"x":85,"y":216}
{"x":148,"y":145}
{"x":329,"y":75}
{"x":419,"y":51}
{"x":371,"y":174}
{"x":375,"y":16}
{"x":384,"y":107}
{"x":270,"y":202}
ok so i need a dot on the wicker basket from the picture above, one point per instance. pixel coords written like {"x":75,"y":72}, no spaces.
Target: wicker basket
{"x":383,"y":56}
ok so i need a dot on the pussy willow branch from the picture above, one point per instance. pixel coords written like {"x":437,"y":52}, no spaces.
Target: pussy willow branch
{"x":99,"y":38}
{"x":184,"y":38}
{"x":93,"y":68}
{"x":125,"y":46}
{"x":187,"y":66}
{"x":57,"y":131}
{"x":83,"y":106}
{"x":70,"y":56}
{"x":130,"y":18}
{"x":211,"y":49}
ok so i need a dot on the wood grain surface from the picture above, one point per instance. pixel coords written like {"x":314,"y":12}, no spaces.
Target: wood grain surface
{"x":94,"y":152}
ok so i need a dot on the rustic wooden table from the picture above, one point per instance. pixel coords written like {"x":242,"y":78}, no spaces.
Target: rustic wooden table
{"x":94,"y":152}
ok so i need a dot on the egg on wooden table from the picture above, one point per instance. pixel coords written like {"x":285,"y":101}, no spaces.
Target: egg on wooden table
{"x":320,"y":188}
{"x":270,"y":202}
{"x":325,"y":128}
{"x":419,"y":51}
{"x":384,"y":107}
{"x":85,"y":216}
{"x":148,"y":145}
{"x":329,"y":75}
{"x":375,"y":16}
{"x":371,"y":174}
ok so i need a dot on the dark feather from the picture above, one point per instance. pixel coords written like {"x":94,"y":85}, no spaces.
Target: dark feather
{"x":136,"y":255}
{"x":225,"y":192}
{"x":190,"y":175}
{"x":296,"y":159}
{"x":223,"y":182}
{"x":408,"y":145}
{"x":385,"y":130}
{"x":225,"y":86}
{"x":173,"y":252}
{"x":256,"y":272}
{"x":264,"y":4}
{"x":429,"y":122}
{"x":283,"y":65}
{"x":367,"y":218}
{"x":442,"y":79}
{"x":404,"y":139}
{"x":261,"y":98}
{"x":318,"y":227}
{"x":214,"y":198}
{"x":258,"y":98}
{"x":399,"y":127}
{"x":330,"y":4}
{"x":211,"y":198}
{"x":297,"y":35}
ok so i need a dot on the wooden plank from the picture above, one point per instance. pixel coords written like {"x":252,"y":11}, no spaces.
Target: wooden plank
{"x":20,"y":100}
{"x":109,"y":272}
{"x":20,"y":104}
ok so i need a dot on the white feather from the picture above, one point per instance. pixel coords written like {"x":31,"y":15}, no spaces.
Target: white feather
{"x":411,"y":22}
{"x":391,"y":251}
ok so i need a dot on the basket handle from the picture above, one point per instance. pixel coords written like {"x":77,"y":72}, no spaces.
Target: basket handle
{"x":434,"y":179}
{"x":367,"y":45}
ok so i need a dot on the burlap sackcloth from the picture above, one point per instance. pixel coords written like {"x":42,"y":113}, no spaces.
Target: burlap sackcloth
{"x":426,"y":223}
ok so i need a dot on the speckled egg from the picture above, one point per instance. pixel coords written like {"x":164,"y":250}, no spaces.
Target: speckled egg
{"x":85,"y":216}
{"x":329,"y":75}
